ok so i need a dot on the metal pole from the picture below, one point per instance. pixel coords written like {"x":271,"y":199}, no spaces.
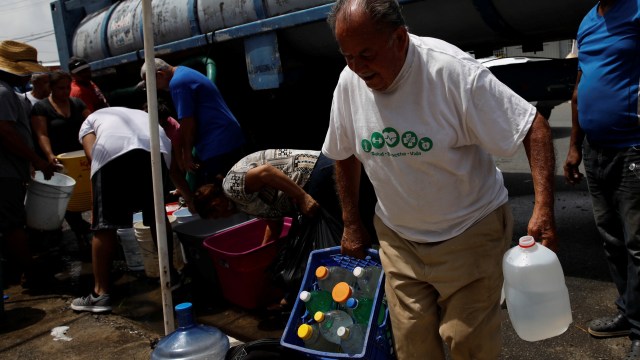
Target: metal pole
{"x":152,"y":101}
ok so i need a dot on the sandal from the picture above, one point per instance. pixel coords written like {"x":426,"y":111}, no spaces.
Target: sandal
{"x":611,"y":326}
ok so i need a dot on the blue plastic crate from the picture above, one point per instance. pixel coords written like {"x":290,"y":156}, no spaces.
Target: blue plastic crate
{"x":378,"y":344}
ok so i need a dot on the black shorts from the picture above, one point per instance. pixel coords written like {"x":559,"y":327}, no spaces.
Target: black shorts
{"x":121,"y":187}
{"x":12,"y":212}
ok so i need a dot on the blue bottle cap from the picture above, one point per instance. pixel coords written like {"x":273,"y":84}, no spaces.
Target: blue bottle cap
{"x":352,"y":303}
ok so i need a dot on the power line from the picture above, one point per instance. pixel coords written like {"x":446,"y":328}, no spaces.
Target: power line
{"x":18,"y":5}
{"x":29,"y":37}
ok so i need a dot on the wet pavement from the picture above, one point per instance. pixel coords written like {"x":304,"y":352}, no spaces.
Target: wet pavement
{"x":136,"y":322}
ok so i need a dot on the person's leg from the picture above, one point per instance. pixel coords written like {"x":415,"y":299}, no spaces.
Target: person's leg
{"x":603,"y":176}
{"x":411,"y":299}
{"x":12,"y":226}
{"x":627,"y":196}
{"x":103,"y":249}
{"x":111,"y":210}
{"x":447,"y":291}
{"x":469,"y":282}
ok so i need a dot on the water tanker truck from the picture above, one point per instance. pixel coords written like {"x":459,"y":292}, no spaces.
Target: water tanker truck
{"x":276,"y":61}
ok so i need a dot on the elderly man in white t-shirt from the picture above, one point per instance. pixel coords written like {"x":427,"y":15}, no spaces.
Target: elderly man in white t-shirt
{"x":424,"y":119}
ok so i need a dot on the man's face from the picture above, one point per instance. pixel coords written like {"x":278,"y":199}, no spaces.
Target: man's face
{"x":162,"y":80}
{"x":61,"y":89}
{"x":375,"y":55}
{"x":83,"y":76}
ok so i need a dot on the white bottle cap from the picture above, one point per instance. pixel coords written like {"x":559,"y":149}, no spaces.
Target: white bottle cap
{"x":305,"y":296}
{"x":343,"y":332}
{"x":526,"y":241}
{"x":358,"y":271}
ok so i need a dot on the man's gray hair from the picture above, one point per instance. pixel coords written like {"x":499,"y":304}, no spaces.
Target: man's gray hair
{"x":385,"y":13}
{"x":160,"y":65}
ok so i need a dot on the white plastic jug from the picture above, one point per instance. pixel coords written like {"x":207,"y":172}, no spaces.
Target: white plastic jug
{"x":536,"y":294}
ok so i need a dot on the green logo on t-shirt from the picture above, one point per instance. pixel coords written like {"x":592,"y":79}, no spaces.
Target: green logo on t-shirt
{"x":392,"y":138}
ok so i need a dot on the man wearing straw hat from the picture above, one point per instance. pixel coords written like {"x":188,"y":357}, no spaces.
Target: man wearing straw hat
{"x":17,"y":62}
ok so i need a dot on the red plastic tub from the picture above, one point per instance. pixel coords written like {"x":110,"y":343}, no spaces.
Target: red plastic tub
{"x":241,"y":262}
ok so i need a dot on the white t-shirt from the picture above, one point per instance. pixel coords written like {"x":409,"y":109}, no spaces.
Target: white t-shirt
{"x":119,"y":130}
{"x":426,"y":142}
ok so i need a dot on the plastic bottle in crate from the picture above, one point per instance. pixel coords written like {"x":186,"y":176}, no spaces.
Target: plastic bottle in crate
{"x":191,"y":340}
{"x":342,"y":291}
{"x":367,"y":279}
{"x":316,"y":300}
{"x":330,"y":321}
{"x":329,"y":276}
{"x":352,"y":338}
{"x":313,"y":339}
{"x":360,"y":309}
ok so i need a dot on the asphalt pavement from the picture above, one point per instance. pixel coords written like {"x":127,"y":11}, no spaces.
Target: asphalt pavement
{"x":39,"y":324}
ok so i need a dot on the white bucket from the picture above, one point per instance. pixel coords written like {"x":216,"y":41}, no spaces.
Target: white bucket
{"x":132,"y":254}
{"x":149,"y":250}
{"x":47,"y":200}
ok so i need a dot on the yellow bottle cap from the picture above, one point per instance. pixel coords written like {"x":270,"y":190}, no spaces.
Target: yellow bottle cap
{"x":318,"y":316}
{"x":341,"y":292}
{"x":305,"y":331}
{"x":322,"y":272}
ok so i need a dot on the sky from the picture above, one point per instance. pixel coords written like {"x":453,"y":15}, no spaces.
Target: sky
{"x":29,"y":21}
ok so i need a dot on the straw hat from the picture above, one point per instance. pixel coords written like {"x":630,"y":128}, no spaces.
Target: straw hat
{"x":19,"y":58}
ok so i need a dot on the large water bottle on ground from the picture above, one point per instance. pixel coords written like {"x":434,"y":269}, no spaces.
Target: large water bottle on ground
{"x":352,"y":338}
{"x":318,"y":300}
{"x":367,"y":279}
{"x":329,"y":276}
{"x":536,"y":294}
{"x":191,"y":340}
{"x":329,"y":323}
{"x":313,"y":339}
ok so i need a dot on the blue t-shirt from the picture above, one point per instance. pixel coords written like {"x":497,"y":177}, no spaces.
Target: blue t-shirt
{"x":194,"y":95}
{"x":609,"y":58}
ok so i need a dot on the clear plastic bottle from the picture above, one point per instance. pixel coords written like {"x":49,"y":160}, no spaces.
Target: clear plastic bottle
{"x":329,"y":323}
{"x":313,"y":339}
{"x":360,"y":309}
{"x":329,"y":276}
{"x":367,"y":279}
{"x":352,"y":338}
{"x":535,"y":291}
{"x":317,"y":300}
{"x":191,"y":340}
{"x":342,"y":291}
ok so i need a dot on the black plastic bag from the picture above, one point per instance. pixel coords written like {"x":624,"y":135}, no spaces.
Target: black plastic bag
{"x":263,"y":349}
{"x":306,"y":234}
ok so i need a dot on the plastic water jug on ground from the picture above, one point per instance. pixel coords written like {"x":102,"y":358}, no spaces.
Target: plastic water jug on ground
{"x":536,"y":294}
{"x":191,"y":340}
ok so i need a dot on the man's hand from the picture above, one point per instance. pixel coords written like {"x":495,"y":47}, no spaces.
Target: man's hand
{"x":47,"y":168}
{"x":308,"y":205}
{"x":572,"y":173}
{"x":355,"y":241}
{"x":542,"y":227}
